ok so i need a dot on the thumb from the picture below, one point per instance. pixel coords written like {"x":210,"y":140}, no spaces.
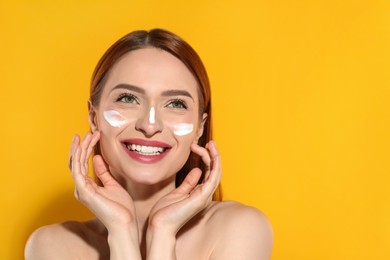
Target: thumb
{"x":189,"y":182}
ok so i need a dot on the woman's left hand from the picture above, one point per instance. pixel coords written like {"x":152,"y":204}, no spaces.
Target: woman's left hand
{"x":172,"y":211}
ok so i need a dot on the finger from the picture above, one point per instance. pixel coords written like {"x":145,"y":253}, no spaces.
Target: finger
{"x":77,"y":176}
{"x":190,"y":182}
{"x":102,"y":170}
{"x":87,"y":145}
{"x":73,"y":146}
{"x":205,"y":156}
{"x":213,"y":176}
{"x":203,"y":153}
{"x":76,"y":194}
{"x":216,"y":171}
{"x":95,"y":138}
{"x":82,"y":182}
{"x":83,"y":156}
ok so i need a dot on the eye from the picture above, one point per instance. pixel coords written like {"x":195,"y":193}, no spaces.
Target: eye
{"x":127,"y":98}
{"x":177,"y":103}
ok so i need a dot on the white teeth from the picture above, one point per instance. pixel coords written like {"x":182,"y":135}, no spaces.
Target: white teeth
{"x":145,"y":150}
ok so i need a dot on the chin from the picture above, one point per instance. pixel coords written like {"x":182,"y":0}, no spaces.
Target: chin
{"x":150,"y":176}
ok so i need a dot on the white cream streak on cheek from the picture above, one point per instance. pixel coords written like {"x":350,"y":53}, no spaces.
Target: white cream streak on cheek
{"x":114,"y":118}
{"x":152,"y":116}
{"x":183,"y":129}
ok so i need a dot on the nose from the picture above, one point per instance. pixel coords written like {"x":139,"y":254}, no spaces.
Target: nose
{"x":148,"y":123}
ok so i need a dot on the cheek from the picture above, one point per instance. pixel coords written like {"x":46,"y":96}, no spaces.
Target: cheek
{"x":113,"y":121}
{"x":183,"y":125}
{"x":182,"y":129}
{"x":114,"y":118}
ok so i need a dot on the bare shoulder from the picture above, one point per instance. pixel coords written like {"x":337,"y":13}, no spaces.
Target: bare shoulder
{"x":45,"y":242}
{"x":243,"y":232}
{"x":68,"y":240}
{"x":237,"y":217}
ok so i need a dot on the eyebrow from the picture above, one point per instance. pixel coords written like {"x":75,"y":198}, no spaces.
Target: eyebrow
{"x":167,"y":93}
{"x":177,"y":92}
{"x":130,"y":87}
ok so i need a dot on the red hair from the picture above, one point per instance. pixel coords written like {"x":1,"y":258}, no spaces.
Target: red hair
{"x":176,"y":46}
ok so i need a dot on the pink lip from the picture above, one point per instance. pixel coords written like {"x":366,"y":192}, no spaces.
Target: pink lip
{"x":145,"y":158}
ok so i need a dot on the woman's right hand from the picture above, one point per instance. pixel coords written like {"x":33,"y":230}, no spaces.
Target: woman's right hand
{"x":110,"y":203}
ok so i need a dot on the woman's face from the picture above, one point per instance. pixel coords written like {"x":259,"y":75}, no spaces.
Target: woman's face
{"x":148,"y":116}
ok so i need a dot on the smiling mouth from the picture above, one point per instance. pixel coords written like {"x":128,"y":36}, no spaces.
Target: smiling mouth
{"x":145,"y":150}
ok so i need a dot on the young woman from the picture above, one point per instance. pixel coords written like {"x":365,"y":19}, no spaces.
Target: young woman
{"x":157,"y":191}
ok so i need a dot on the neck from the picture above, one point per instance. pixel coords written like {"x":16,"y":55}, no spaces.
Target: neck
{"x":145,"y":196}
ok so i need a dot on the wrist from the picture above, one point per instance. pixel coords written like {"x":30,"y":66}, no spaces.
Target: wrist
{"x":124,"y":244}
{"x":125,"y":234}
{"x":156,"y":233}
{"x":160,"y":244}
{"x":160,"y":227}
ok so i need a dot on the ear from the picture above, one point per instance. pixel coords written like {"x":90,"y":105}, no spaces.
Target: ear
{"x":201,"y":128}
{"x":92,"y":117}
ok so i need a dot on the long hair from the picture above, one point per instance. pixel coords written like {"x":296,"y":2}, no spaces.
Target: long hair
{"x":173,"y":44}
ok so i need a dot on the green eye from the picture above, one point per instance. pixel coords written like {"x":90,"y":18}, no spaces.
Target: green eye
{"x":177,"y":104}
{"x":128,"y":98}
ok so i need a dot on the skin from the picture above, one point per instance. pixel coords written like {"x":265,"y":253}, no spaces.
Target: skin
{"x":139,"y":212}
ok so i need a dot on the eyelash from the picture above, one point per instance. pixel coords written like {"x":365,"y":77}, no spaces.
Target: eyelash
{"x":127,"y":95}
{"x":180,"y":102}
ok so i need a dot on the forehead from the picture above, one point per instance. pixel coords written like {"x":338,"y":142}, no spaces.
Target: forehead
{"x":152,"y":69}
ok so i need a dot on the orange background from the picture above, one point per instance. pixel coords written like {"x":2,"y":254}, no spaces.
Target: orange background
{"x":301,"y":100}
